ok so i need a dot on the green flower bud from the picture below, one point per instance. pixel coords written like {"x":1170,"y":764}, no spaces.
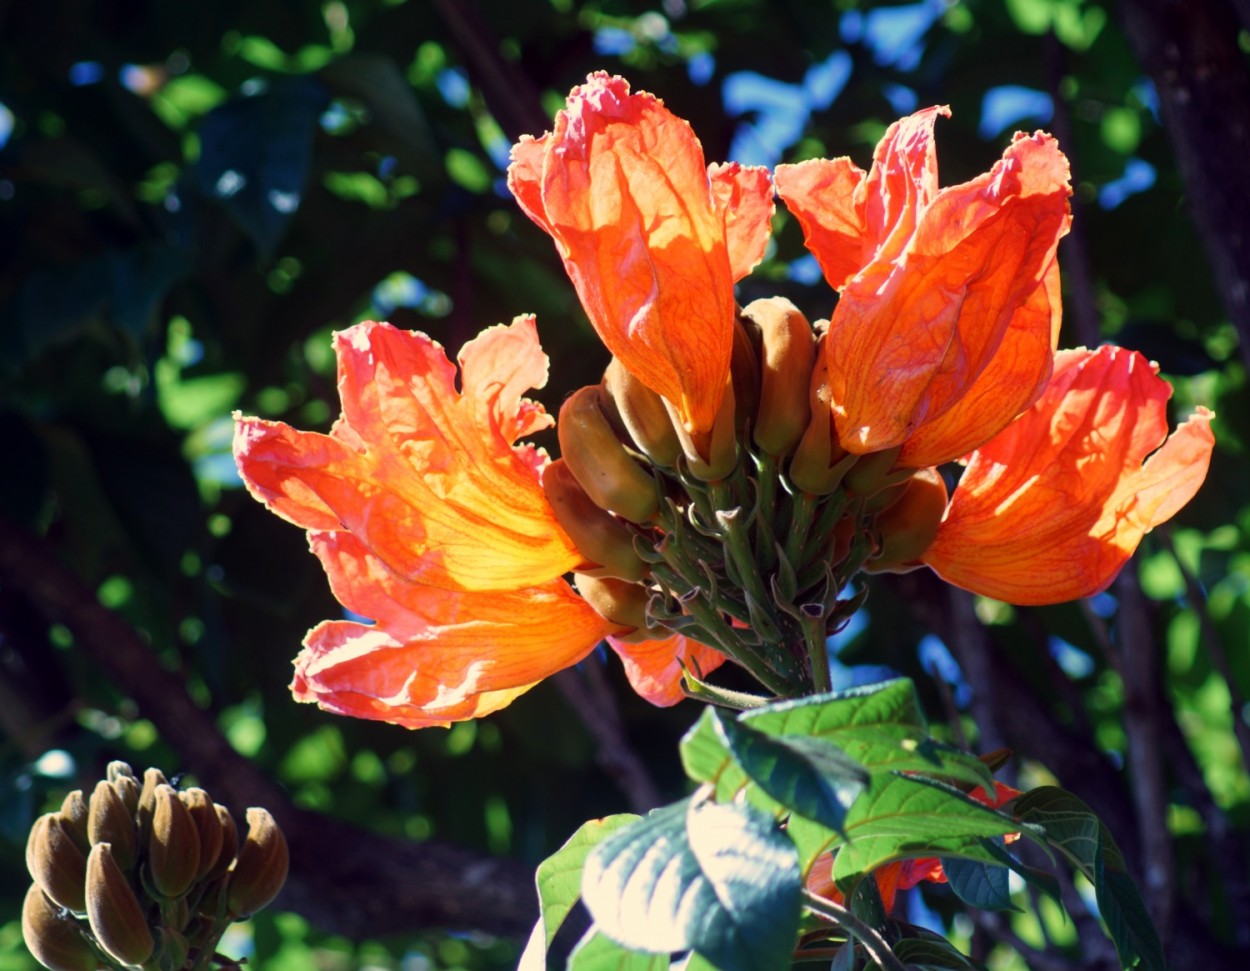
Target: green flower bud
{"x":643,"y":415}
{"x":53,"y":936}
{"x":174,"y":845}
{"x":620,"y":602}
{"x":260,"y":871}
{"x":908,"y":527}
{"x":789,"y":354}
{"x":109,"y":821}
{"x":200,"y":805}
{"x":116,"y":918}
{"x":74,"y":812}
{"x":56,"y":863}
{"x":605,"y":541}
{"x":600,"y":462}
{"x":229,"y":843}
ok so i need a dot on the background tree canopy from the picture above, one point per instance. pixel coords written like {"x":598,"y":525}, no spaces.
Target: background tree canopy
{"x":194,"y":197}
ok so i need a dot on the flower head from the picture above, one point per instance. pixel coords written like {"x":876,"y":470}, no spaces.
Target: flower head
{"x":1053,"y":506}
{"x":949,"y":297}
{"x":651,"y":237}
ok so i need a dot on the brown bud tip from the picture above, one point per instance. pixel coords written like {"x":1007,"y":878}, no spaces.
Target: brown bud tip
{"x":260,"y":871}
{"x":53,"y":936}
{"x":599,"y":461}
{"x":643,"y":415}
{"x":116,"y":918}
{"x":174,"y":845}
{"x":200,"y":805}
{"x":56,"y":863}
{"x":109,"y":821}
{"x":128,"y":791}
{"x":620,"y":602}
{"x":712,"y":455}
{"x":908,"y":526}
{"x":606,"y":542}
{"x":74,"y":812}
{"x":789,"y":353}
{"x":147,"y":800}
{"x":119,"y":770}
{"x":229,"y":843}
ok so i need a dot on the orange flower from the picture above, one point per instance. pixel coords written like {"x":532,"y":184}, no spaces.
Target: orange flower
{"x":430,"y":520}
{"x":949,"y":311}
{"x":652,"y":239}
{"x":654,"y":668}
{"x":1054,"y":505}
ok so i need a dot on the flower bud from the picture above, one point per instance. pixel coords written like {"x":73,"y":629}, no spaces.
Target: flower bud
{"x":116,"y":918}
{"x":174,"y":845}
{"x":600,"y":463}
{"x":643,"y":415}
{"x":207,"y":825}
{"x":56,"y":863}
{"x":53,"y":936}
{"x":789,"y":353}
{"x":147,"y":801}
{"x":714,"y":454}
{"x":109,"y":821}
{"x":260,"y":871}
{"x":819,"y":461}
{"x":744,"y":370}
{"x":620,"y":602}
{"x":128,"y":791}
{"x":229,"y":843}
{"x":117,"y":769}
{"x":74,"y":812}
{"x":874,"y":473}
{"x":908,"y":527}
{"x":606,"y":542}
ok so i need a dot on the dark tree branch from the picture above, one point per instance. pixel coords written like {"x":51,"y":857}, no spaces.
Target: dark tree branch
{"x":343,"y":878}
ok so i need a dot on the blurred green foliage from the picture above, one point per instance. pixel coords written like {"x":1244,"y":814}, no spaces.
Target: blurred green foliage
{"x":193,"y":198}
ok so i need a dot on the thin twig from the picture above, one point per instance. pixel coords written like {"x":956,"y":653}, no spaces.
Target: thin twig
{"x":872,"y":941}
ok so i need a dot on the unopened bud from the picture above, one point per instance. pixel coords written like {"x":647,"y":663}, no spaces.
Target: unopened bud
{"x":229,"y":842}
{"x":53,"y":936}
{"x":127,"y":789}
{"x":620,"y":602}
{"x":788,"y":348}
{"x":174,"y":846}
{"x":605,"y":541}
{"x":819,"y":462}
{"x":909,"y":526}
{"x":713,"y":455}
{"x":117,"y":769}
{"x":875,"y":472}
{"x":147,"y":801}
{"x":56,"y":863}
{"x":200,"y":805}
{"x":643,"y":415}
{"x":116,"y":918}
{"x":109,"y":821}
{"x":260,"y":870}
{"x":744,"y":371}
{"x":74,"y":812}
{"x":600,"y":462}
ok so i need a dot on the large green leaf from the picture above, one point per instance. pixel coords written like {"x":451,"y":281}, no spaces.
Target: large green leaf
{"x":719,"y":879}
{"x":982,"y":885}
{"x":559,"y":877}
{"x":596,"y":952}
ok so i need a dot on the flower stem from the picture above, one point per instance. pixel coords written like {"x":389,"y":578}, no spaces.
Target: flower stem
{"x":815,"y":636}
{"x":876,"y":946}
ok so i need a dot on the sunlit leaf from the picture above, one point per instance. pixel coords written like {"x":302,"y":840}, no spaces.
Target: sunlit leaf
{"x":559,"y":877}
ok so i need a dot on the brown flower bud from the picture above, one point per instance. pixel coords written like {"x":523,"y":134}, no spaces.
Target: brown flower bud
{"x":56,"y":863}
{"x":74,"y":812}
{"x":620,"y":602}
{"x":874,"y":473}
{"x":260,"y":870}
{"x":109,"y":821}
{"x":605,"y":541}
{"x":714,"y":454}
{"x":908,"y":527}
{"x":127,"y":789}
{"x":819,"y":461}
{"x":229,"y":843}
{"x":788,"y":348}
{"x":117,"y":769}
{"x":200,"y":805}
{"x":116,"y":918}
{"x":643,"y":415}
{"x":147,"y":801}
{"x":174,"y":846}
{"x":744,"y":371}
{"x":600,"y":462}
{"x":53,"y":936}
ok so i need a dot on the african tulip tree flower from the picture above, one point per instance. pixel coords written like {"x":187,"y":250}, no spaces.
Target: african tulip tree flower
{"x":1053,"y":506}
{"x":430,"y":519}
{"x":652,"y":238}
{"x":949,"y":305}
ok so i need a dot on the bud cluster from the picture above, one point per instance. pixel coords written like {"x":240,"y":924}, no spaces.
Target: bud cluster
{"x":745,"y":536}
{"x":140,"y":874}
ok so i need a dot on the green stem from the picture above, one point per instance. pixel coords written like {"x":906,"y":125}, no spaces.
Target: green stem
{"x":800,"y":526}
{"x":817,"y":539}
{"x":876,"y":946}
{"x":815,"y":636}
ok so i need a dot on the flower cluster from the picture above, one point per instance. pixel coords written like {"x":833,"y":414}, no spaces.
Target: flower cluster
{"x":737,"y":468}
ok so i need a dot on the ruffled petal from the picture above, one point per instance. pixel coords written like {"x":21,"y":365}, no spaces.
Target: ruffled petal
{"x":427,"y":476}
{"x":654,"y":670}
{"x":827,"y":197}
{"x":1051,"y":508}
{"x":744,"y":194}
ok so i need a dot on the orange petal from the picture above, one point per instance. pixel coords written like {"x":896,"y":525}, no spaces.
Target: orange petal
{"x":1052,"y":507}
{"x":621,"y":186}
{"x":427,"y":476}
{"x":941,"y":278}
{"x":653,"y":669}
{"x":434,"y":656}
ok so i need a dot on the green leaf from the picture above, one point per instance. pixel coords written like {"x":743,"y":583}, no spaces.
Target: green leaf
{"x":982,"y":885}
{"x":922,"y":954}
{"x":810,"y":776}
{"x":596,"y":952}
{"x":904,"y":816}
{"x":1128,"y":922}
{"x":1039,"y":879}
{"x":559,"y":877}
{"x":719,"y":879}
